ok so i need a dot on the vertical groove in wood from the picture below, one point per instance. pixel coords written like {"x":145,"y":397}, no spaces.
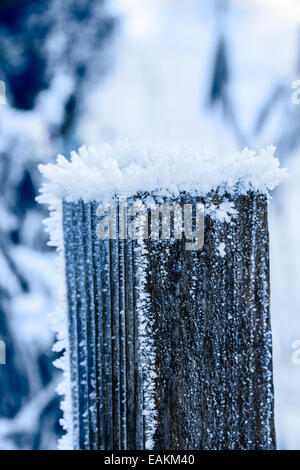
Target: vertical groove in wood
{"x":123,"y":369}
{"x":82,"y":345}
{"x":72,"y":310}
{"x":107,"y":338}
{"x":130,"y":365}
{"x":91,"y":328}
{"x":115,"y":329}
{"x":99,"y":326}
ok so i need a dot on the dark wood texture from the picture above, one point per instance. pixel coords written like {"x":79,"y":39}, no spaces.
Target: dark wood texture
{"x":208,"y":322}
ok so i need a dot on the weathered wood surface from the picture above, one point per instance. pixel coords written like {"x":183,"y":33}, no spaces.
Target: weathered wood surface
{"x":210,"y":331}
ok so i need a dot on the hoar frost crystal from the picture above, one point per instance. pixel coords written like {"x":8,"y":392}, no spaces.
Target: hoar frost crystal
{"x":165,"y":347}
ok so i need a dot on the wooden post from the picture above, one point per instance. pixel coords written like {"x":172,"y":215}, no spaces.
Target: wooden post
{"x":171,"y":348}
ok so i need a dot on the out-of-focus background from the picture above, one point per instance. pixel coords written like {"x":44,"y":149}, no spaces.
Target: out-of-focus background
{"x":208,"y":73}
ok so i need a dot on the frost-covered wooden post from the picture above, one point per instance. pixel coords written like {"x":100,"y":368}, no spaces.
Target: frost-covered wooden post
{"x":167,"y":338}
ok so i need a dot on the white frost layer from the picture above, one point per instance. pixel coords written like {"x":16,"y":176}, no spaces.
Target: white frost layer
{"x":124,"y":169}
{"x":147,"y":349}
{"x":59,"y":320}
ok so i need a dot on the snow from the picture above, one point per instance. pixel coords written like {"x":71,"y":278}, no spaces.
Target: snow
{"x":147,"y":348}
{"x":224,"y":212}
{"x":125,"y":169}
{"x":59,"y":321}
{"x":221,"y":249}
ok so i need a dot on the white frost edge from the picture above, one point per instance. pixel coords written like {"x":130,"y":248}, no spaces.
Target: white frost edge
{"x":59,"y":322}
{"x":147,"y":350}
{"x":98,"y":174}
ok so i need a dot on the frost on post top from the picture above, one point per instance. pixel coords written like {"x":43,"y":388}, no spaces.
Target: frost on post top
{"x":122,"y":169}
{"x":125,"y":170}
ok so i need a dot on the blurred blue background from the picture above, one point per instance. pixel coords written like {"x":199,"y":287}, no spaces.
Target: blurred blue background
{"x":215,"y":74}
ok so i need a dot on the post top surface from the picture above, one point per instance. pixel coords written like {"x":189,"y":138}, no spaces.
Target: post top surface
{"x":124,"y":169}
